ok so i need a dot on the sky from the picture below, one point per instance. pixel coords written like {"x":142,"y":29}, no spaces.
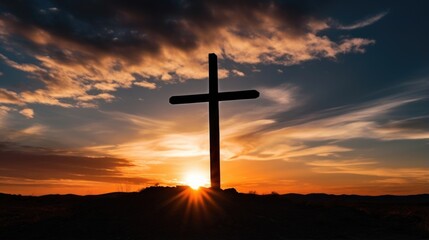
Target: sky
{"x":84,"y":89}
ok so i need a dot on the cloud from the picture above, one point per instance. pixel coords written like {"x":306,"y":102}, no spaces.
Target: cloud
{"x":339,"y":164}
{"x":147,"y":140}
{"x":4,"y":108}
{"x":27,"y":163}
{"x":363,"y":23}
{"x":354,"y":123}
{"x":3,"y":113}
{"x":416,"y":123}
{"x":26,"y":133}
{"x":146,"y":84}
{"x":283,"y":94}
{"x":411,"y":128}
{"x":257,"y":133}
{"x":9,"y":97}
{"x":105,"y":96}
{"x":237,"y":73}
{"x":379,"y":118}
{"x":78,"y":52}
{"x":27,"y":112}
{"x":373,"y":177}
{"x":318,"y":134}
{"x":370,"y":168}
{"x":23,"y":67}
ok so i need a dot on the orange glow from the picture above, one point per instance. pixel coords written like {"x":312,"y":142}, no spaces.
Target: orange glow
{"x":195,"y":180}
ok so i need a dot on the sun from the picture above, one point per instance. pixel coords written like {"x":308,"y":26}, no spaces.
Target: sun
{"x":195,"y":180}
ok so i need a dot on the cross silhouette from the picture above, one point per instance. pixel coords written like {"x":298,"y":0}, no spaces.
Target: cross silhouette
{"x":213,"y":98}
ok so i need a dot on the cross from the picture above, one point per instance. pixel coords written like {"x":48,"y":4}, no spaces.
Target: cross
{"x":213,"y":98}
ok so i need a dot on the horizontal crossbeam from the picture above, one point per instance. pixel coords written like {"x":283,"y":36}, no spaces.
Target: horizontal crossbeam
{"x":222,"y":96}
{"x":184,"y":99}
{"x":238,"y":95}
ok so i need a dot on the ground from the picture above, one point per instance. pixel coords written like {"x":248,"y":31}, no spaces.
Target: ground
{"x":183,"y":213}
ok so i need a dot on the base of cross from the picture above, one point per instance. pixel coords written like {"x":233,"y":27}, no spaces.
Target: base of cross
{"x":216,"y":189}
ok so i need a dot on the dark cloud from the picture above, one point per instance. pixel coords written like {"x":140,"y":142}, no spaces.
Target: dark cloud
{"x":20,"y":162}
{"x":129,"y":28}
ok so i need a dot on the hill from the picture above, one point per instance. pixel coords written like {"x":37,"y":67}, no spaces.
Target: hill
{"x":182,"y":213}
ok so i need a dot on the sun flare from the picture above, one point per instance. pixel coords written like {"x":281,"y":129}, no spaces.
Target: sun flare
{"x":195,"y":180}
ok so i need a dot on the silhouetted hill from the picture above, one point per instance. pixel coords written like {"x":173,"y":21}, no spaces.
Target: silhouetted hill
{"x":181,"y":213}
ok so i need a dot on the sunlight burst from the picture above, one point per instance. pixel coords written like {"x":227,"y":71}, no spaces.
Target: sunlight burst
{"x":195,"y":180}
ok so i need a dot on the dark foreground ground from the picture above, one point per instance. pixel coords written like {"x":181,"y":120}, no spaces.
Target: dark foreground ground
{"x":181,"y":213}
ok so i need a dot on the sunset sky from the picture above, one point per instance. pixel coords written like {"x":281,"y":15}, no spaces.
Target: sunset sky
{"x":344,"y":105}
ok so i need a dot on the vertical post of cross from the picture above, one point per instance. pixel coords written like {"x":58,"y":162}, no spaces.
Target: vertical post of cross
{"x":214,"y":123}
{"x":213,"y":98}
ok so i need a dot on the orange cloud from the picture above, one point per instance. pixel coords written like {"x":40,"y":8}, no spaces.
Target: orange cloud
{"x":27,"y":112}
{"x":146,"y":84}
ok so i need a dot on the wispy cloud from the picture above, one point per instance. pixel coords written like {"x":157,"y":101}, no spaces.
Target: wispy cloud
{"x":371,"y":119}
{"x":370,"y":168}
{"x":363,"y":23}
{"x":19,"y":135}
{"x":283,"y":94}
{"x":411,"y":128}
